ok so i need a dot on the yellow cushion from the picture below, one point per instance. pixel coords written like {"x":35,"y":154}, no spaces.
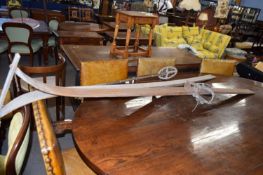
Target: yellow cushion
{"x":190,"y":31}
{"x":259,"y":66}
{"x":218,"y":67}
{"x":103,"y":71}
{"x":174,"y":32}
{"x":212,"y":48}
{"x":205,"y":54}
{"x":151,"y":66}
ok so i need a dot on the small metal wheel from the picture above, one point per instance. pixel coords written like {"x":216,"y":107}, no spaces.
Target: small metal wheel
{"x":167,"y":73}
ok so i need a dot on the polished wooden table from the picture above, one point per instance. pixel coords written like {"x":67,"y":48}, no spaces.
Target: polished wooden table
{"x":40,"y":32}
{"x":156,"y":136}
{"x":76,"y":37}
{"x":83,"y":27}
{"x":81,"y":53}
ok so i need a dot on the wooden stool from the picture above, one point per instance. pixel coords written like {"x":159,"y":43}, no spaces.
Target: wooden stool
{"x":133,"y":18}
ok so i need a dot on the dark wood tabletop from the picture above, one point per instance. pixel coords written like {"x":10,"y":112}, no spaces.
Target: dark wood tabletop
{"x":82,"y":53}
{"x":157,"y":136}
{"x":76,"y":37}
{"x":83,"y":26}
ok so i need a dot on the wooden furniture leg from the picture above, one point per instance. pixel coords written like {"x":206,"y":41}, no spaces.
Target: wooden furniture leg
{"x":136,"y":43}
{"x":128,"y":37}
{"x":113,"y":46}
{"x":149,"y":51}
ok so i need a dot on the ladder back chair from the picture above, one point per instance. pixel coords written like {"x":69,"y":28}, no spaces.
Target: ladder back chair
{"x":18,"y":139}
{"x":20,"y":39}
{"x":56,"y":162}
{"x":103,"y":71}
{"x":73,"y":14}
{"x":151,"y":66}
{"x":52,"y":74}
{"x":218,"y":67}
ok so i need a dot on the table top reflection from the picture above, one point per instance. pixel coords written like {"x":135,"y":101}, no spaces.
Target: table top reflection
{"x":163,"y":135}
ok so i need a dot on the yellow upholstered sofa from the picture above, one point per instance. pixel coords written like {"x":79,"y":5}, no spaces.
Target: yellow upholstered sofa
{"x":205,"y":43}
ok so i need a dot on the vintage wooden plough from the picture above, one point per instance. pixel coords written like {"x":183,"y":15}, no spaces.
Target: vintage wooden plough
{"x":167,"y":88}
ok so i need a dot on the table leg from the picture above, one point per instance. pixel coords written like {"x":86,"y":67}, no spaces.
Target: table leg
{"x":136,"y":43}
{"x":128,"y":37}
{"x":150,"y":42}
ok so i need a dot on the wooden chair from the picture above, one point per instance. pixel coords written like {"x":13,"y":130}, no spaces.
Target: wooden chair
{"x":86,"y":14}
{"x":53,"y":74}
{"x":52,"y":40}
{"x":151,"y":66}
{"x":18,"y":139}
{"x":218,"y":67}
{"x":20,"y":39}
{"x":56,"y":162}
{"x":73,"y":14}
{"x":103,"y":71}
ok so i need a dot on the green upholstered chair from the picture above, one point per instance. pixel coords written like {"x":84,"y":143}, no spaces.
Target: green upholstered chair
{"x":3,"y":46}
{"x":18,"y":139}
{"x":53,"y":27}
{"x":18,"y":13}
{"x":20,"y":39}
{"x":52,"y":41}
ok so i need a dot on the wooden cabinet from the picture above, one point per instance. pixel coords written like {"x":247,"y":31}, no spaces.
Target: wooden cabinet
{"x":39,"y":14}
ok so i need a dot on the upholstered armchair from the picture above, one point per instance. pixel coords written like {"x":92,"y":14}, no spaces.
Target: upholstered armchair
{"x":18,"y":139}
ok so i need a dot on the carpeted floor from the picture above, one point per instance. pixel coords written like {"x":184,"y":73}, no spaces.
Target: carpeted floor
{"x":34,"y":164}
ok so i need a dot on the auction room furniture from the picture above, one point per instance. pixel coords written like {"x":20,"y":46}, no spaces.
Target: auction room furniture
{"x":18,"y":13}
{"x":111,"y":25}
{"x":83,"y":27}
{"x":52,"y":40}
{"x":103,"y":71}
{"x":51,"y":74}
{"x":250,"y":72}
{"x":3,"y":45}
{"x":41,"y":31}
{"x":86,"y":14}
{"x":20,"y":40}
{"x":218,"y":67}
{"x":56,"y":161}
{"x":79,"y":38}
{"x":40,"y":14}
{"x":152,"y":136}
{"x":82,"y":53}
{"x":132,"y":19}
{"x":208,"y":44}
{"x":73,"y":14}
{"x":121,"y":38}
{"x":18,"y":139}
{"x":151,"y":66}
